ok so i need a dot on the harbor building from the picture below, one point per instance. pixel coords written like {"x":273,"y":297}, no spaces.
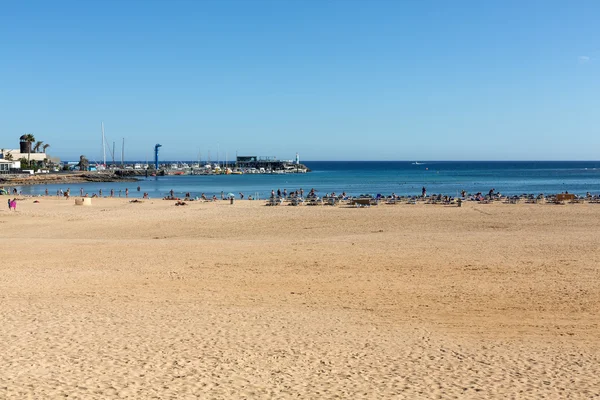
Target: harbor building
{"x":270,"y":163}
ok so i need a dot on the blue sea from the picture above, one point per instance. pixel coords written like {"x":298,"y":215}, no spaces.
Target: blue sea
{"x":373,"y":177}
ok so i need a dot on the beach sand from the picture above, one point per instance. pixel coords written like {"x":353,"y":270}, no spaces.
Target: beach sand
{"x":213,"y":301}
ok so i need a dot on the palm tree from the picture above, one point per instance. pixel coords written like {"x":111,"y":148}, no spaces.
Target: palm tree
{"x":8,"y":156}
{"x":38,"y":146}
{"x":24,"y":163}
{"x":29,"y":138}
{"x":45,"y":147}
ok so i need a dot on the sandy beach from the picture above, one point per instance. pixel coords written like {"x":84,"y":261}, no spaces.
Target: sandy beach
{"x":215,"y":301}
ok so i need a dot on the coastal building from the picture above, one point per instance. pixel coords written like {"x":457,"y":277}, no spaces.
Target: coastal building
{"x":243,"y":161}
{"x":254,"y":161}
{"x":17,"y":155}
{"x":270,"y":164}
{"x":7,"y":166}
{"x":26,"y":151}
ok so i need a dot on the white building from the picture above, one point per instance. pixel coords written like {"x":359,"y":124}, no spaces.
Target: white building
{"x":6,"y":166}
{"x":17,"y":155}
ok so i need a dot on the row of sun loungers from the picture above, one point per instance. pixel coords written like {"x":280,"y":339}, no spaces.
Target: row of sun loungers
{"x":373,"y":201}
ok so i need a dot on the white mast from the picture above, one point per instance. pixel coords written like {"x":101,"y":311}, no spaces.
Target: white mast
{"x":103,"y":146}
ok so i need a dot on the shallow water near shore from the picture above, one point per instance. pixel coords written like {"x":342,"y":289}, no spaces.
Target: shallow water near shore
{"x":372,"y":177}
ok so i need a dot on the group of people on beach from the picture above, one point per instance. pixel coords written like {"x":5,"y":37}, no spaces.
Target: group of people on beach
{"x":278,"y":194}
{"x":67,"y":193}
{"x":14,"y":191}
{"x":297,"y":193}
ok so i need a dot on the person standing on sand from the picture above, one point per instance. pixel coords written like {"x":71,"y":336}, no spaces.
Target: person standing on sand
{"x":9,"y":205}
{"x":424,"y":191}
{"x":81,"y":192}
{"x":126,"y":192}
{"x":13,"y":204}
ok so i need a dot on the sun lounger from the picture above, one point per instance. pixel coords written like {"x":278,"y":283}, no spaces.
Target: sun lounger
{"x":364,"y":202}
{"x":565,"y":197}
{"x":274,"y":201}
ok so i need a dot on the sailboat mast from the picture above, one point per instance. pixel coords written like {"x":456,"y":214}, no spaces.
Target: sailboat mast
{"x":103,"y":146}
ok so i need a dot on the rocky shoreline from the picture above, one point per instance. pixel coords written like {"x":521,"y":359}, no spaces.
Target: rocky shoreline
{"x":80,"y":177}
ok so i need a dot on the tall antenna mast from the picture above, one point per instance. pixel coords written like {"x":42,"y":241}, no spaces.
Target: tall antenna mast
{"x":103,"y":146}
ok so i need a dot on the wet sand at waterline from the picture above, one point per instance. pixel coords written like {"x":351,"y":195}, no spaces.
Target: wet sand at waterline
{"x":212,"y":300}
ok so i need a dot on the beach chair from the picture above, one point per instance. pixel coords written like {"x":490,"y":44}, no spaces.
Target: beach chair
{"x":361,"y":202}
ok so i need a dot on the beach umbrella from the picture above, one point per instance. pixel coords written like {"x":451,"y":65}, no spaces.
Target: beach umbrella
{"x":230,"y":195}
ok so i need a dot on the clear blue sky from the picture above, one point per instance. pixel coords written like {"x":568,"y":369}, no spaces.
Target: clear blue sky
{"x":333,"y":80}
